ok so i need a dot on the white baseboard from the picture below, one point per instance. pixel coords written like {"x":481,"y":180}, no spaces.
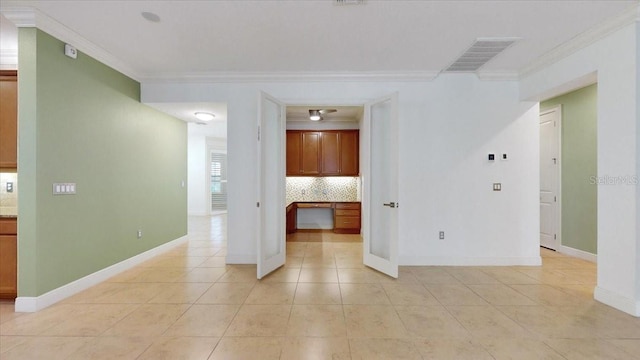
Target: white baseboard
{"x":240,"y":259}
{"x":630,"y":306}
{"x":469,"y":261}
{"x":580,"y":254}
{"x":33,"y":304}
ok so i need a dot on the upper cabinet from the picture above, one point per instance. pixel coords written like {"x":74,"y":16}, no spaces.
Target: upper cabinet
{"x":323,"y":153}
{"x":310,"y":153}
{"x":8,"y":119}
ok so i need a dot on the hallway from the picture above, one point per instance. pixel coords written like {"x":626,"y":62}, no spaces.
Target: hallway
{"x":324,"y":304}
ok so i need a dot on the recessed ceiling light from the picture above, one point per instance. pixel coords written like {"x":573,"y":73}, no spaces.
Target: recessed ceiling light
{"x":150,"y":16}
{"x":204,"y":116}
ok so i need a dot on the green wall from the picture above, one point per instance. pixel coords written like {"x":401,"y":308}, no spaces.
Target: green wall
{"x":578,"y":165}
{"x":81,"y":121}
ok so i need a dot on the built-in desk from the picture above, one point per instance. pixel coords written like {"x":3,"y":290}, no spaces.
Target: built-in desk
{"x":346,"y":215}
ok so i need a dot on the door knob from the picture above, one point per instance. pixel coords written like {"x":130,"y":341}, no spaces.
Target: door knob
{"x":391,"y":204}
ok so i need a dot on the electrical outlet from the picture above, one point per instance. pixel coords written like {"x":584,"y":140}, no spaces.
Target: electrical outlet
{"x":497,"y":186}
{"x":139,"y":234}
{"x":9,"y":187}
{"x":441,"y":235}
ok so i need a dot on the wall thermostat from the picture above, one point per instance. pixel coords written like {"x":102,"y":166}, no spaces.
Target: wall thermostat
{"x":70,"y":51}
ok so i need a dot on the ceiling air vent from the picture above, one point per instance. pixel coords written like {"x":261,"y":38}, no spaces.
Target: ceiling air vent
{"x":479,"y":53}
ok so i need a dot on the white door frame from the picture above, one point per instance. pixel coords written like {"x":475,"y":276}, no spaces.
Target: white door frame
{"x":363,"y":140}
{"x":558,"y":134}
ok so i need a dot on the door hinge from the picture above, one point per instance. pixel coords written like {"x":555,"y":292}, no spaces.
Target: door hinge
{"x":555,"y":199}
{"x":554,"y":237}
{"x":258,"y":132}
{"x":258,"y":204}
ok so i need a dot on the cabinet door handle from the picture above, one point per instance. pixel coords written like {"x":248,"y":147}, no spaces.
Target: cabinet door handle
{"x":391,"y":204}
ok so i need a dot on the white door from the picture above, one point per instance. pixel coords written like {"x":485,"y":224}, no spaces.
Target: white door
{"x":380,"y":185}
{"x":271,"y":188}
{"x":550,"y":178}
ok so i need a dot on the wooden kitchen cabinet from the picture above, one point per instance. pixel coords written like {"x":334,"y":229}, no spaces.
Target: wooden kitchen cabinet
{"x":330,"y":160}
{"x":323,"y":153}
{"x":8,"y":119}
{"x":350,"y":153}
{"x":291,"y":218}
{"x":294,"y":153}
{"x":346,"y":218}
{"x":310,"y":153}
{"x":8,"y":258}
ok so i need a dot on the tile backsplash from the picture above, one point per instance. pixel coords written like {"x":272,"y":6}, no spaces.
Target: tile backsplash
{"x":8,"y":200}
{"x":323,"y":189}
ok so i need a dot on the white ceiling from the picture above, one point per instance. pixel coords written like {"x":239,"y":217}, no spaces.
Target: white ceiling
{"x":204,"y":38}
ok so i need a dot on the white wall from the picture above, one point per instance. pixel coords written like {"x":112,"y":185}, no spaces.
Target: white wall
{"x":447,"y":127}
{"x":615,"y":60}
{"x":197,"y":164}
{"x":447,"y":180}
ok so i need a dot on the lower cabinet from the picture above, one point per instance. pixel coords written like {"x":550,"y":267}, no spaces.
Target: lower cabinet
{"x":346,"y":218}
{"x":291,"y":218}
{"x":8,"y":259}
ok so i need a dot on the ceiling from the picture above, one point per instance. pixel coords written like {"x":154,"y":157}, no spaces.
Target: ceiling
{"x":186,"y":111}
{"x":206,"y":38}
{"x":344,"y":113}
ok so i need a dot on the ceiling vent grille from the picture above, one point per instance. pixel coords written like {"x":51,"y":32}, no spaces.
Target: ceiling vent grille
{"x":479,"y":53}
{"x":349,"y":2}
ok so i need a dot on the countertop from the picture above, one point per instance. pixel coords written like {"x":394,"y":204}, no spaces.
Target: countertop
{"x":322,"y":202}
{"x":8,"y":216}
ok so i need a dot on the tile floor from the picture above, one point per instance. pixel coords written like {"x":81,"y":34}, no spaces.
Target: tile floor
{"x":186,"y":304}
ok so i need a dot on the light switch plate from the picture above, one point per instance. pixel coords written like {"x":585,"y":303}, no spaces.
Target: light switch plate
{"x":64,"y":188}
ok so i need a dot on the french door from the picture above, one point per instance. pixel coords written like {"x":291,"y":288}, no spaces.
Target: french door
{"x":271,"y":235}
{"x":380,"y":185}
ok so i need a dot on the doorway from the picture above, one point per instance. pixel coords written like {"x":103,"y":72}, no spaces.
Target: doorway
{"x":379,"y":253}
{"x":576,"y":172}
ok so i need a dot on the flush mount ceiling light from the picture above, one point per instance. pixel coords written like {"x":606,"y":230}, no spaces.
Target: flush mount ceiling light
{"x":204,"y":116}
{"x":316,"y":115}
{"x":150,"y":16}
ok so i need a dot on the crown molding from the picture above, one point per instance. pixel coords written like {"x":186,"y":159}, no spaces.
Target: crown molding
{"x":498,"y":75}
{"x":630,"y":16}
{"x":30,"y":17}
{"x":247,"y":77}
